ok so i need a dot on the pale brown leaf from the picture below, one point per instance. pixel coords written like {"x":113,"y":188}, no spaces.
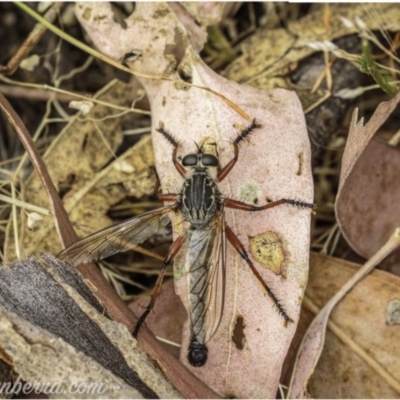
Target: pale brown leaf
{"x":314,"y":339}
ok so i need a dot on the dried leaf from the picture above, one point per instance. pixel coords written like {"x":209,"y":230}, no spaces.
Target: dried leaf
{"x":344,"y":371}
{"x":313,"y":341}
{"x":367,"y":206}
{"x":269,"y":162}
{"x":166,"y":322}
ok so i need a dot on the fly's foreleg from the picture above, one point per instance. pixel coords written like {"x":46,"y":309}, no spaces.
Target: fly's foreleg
{"x":233,"y":239}
{"x":239,"y":205}
{"x":175,"y":144}
{"x":173,"y":250}
{"x":245,"y":132}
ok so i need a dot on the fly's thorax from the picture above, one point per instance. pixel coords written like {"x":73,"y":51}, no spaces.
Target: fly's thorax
{"x":200,"y":199}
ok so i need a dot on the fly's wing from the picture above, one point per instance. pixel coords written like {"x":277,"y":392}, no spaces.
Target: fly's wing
{"x":205,"y":267}
{"x":116,"y":238}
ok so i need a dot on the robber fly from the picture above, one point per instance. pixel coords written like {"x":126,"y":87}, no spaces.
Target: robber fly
{"x":201,"y":206}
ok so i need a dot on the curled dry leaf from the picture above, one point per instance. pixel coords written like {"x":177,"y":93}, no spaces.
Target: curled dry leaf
{"x":367,"y":204}
{"x":269,"y":166}
{"x":355,"y":329}
{"x":360,"y":355}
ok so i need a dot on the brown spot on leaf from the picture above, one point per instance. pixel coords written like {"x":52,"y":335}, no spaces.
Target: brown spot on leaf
{"x":238,"y":336}
{"x":300,"y":157}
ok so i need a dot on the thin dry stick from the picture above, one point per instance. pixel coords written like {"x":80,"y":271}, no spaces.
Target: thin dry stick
{"x":326,"y":53}
{"x":74,"y":95}
{"x":15,"y":226}
{"x":36,"y":94}
{"x":24,"y":205}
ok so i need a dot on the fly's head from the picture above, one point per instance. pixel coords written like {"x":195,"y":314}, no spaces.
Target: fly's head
{"x":205,"y":157}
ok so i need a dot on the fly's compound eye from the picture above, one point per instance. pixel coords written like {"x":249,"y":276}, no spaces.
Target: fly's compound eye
{"x":189,"y":160}
{"x":209,"y":160}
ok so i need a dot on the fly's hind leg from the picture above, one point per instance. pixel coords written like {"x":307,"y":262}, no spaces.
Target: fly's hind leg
{"x":175,"y":144}
{"x":239,"y":205}
{"x":233,"y":239}
{"x":173,"y":250}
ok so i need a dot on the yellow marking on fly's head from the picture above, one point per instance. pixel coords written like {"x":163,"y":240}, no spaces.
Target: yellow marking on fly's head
{"x":209,"y":146}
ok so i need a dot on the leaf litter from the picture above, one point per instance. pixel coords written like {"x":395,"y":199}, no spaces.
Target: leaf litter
{"x":347,"y":321}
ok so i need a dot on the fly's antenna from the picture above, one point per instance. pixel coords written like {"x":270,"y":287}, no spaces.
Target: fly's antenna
{"x":199,"y":149}
{"x":247,"y":131}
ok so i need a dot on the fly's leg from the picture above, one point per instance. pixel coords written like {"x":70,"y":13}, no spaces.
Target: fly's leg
{"x":157,"y":185}
{"x":173,"y":250}
{"x":161,"y":196}
{"x":233,"y":239}
{"x":175,"y":247}
{"x":239,"y":205}
{"x":167,"y":197}
{"x":225,"y":171}
{"x":174,"y":143}
{"x":247,"y":207}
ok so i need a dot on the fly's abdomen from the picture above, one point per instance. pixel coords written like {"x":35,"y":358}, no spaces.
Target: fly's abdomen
{"x":205,"y":276}
{"x":197,"y":279}
{"x":199,"y":254}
